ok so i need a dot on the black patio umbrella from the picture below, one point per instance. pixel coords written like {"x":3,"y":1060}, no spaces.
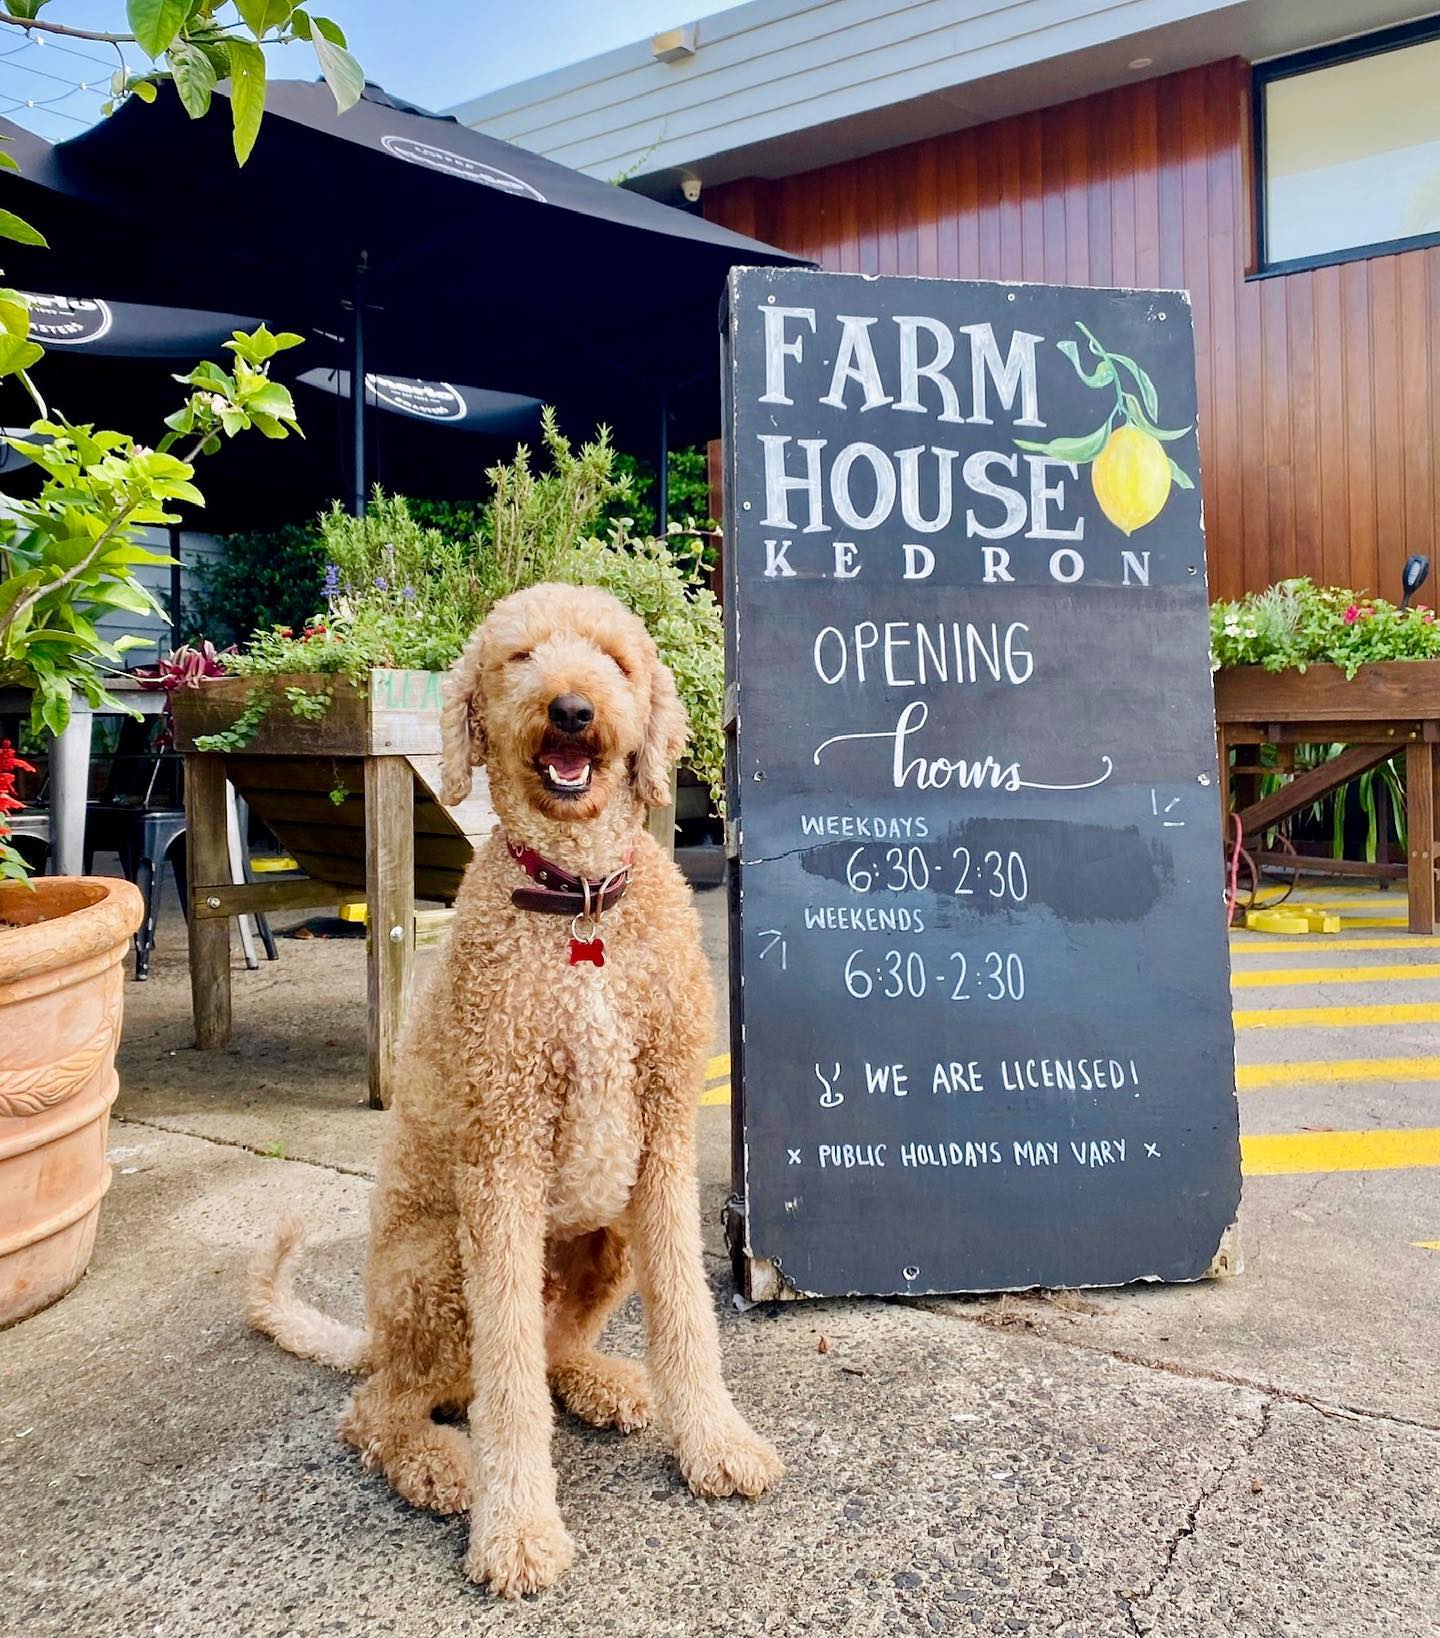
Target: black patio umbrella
{"x":114,"y":363}
{"x":435,"y":250}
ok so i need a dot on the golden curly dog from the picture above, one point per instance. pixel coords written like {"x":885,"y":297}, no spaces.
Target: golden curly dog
{"x":549,"y":1127}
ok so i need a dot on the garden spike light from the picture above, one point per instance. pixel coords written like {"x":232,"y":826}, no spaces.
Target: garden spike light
{"x":1417,"y":571}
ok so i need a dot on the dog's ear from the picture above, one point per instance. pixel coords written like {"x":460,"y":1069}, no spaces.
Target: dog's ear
{"x":665,"y":734}
{"x":462,"y":725}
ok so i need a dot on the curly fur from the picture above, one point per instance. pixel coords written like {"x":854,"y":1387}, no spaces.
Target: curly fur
{"x":542,"y":1154}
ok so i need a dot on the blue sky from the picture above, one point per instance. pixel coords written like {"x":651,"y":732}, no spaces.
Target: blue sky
{"x":434,"y":52}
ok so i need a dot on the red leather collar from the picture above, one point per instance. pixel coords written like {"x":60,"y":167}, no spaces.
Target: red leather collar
{"x":562,"y":893}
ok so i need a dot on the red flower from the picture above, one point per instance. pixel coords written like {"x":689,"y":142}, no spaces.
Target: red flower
{"x":9,"y":762}
{"x":1352,"y":614}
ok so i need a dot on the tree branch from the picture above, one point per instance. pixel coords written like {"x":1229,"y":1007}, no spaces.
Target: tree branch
{"x":65,"y":29}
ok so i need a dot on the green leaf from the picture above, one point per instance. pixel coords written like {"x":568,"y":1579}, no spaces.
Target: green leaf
{"x":1101,"y":376}
{"x":155,"y":23}
{"x":261,"y":16}
{"x":144,"y":89}
{"x":17,"y":228}
{"x":330,"y":31}
{"x":1180,"y":476}
{"x":8,"y":162}
{"x":300,"y":24}
{"x":26,"y":8}
{"x":343,"y":74}
{"x":1074,"y":450}
{"x":194,"y":77}
{"x":1137,"y":417}
{"x":247,"y":94}
{"x":16,"y":353}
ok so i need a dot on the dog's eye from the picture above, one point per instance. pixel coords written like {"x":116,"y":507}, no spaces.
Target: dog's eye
{"x":520,"y":654}
{"x":620,"y":664}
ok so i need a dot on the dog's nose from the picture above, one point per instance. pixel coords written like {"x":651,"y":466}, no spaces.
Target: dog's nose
{"x":571,"y":713}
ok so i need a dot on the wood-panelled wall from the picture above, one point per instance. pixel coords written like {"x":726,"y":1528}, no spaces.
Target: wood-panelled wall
{"x":1319,"y":391}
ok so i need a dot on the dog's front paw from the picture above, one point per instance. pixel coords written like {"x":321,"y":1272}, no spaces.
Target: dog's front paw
{"x":605,"y":1391}
{"x":730,"y":1460}
{"x":513,"y":1559}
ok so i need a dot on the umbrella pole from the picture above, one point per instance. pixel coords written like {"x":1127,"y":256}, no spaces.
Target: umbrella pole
{"x":177,"y":586}
{"x":357,"y":389}
{"x":662,"y":463}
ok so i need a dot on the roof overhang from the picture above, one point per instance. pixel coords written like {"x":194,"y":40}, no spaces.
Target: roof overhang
{"x":777,"y":87}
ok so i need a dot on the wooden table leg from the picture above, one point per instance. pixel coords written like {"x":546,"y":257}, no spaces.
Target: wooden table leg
{"x":1222,"y":762}
{"x":207,"y":856}
{"x":1420,"y":833}
{"x":390,"y":895}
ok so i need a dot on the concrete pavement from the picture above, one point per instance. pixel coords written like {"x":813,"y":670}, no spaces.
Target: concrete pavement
{"x":1251,"y":1458}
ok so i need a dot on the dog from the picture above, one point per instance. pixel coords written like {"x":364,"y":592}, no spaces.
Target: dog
{"x":546,"y":1135}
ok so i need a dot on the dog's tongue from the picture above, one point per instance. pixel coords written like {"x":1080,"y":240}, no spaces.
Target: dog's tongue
{"x":569,"y":765}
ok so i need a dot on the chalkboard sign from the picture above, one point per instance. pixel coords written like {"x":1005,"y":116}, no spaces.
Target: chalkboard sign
{"x":981,"y":1009}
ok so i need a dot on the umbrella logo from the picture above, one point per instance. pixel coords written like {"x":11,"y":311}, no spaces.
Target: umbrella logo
{"x":453,"y":164}
{"x":67,"y":321}
{"x":427,"y":400}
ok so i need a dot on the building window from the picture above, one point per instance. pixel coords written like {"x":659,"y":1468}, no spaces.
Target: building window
{"x":1349,"y":149}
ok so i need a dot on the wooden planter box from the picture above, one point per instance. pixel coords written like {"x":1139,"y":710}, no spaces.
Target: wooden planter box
{"x":289,"y":769}
{"x":1386,"y":708}
{"x":1381,"y":695}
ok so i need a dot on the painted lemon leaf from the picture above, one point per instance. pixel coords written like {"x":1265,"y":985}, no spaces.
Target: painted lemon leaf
{"x":1074,"y":450}
{"x":1143,"y":381}
{"x":1137,"y":415}
{"x":1179,"y":476}
{"x":1101,"y":376}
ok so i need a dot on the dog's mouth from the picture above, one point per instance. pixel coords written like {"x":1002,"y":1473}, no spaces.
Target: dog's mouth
{"x":566,"y":766}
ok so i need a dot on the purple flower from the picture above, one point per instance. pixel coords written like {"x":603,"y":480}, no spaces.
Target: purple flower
{"x":407,"y":592}
{"x":381,"y":583}
{"x":331,"y":588}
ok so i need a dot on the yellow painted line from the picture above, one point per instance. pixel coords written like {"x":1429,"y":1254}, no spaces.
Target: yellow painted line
{"x":1350,"y":923}
{"x":1335,"y":1071}
{"x":718,"y":1065}
{"x":715,"y":1097}
{"x":1270,"y":977}
{"x":1290,"y":1154}
{"x":1334,"y":899}
{"x":1426,"y":1245}
{"x":1418,"y":1012}
{"x":1322,"y":944}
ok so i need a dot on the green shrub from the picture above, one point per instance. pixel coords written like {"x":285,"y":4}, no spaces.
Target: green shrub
{"x":265,"y":578}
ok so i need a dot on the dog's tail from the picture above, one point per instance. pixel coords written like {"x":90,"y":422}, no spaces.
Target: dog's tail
{"x":296,"y":1325}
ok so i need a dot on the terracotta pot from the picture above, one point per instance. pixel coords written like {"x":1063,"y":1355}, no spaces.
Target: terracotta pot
{"x":62,"y":945}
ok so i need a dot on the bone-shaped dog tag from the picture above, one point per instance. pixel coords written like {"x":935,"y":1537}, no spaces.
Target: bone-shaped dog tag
{"x":587,"y":949}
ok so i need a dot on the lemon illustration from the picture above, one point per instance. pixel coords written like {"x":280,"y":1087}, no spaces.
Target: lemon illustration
{"x":1131,"y":477}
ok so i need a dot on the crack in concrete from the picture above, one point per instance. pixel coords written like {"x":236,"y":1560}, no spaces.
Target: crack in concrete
{"x":247,"y":1148}
{"x":1191,"y":1522}
{"x":1334,"y":1409}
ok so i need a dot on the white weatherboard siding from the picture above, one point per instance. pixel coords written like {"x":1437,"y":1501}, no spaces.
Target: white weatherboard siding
{"x":777,"y":85}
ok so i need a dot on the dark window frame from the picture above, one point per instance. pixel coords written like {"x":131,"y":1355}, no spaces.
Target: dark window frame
{"x":1305,"y":62}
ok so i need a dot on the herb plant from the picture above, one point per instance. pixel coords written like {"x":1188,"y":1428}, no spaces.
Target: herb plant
{"x":1296,"y":624}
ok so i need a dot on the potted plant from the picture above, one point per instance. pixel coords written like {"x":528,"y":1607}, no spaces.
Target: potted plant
{"x":67,"y":555}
